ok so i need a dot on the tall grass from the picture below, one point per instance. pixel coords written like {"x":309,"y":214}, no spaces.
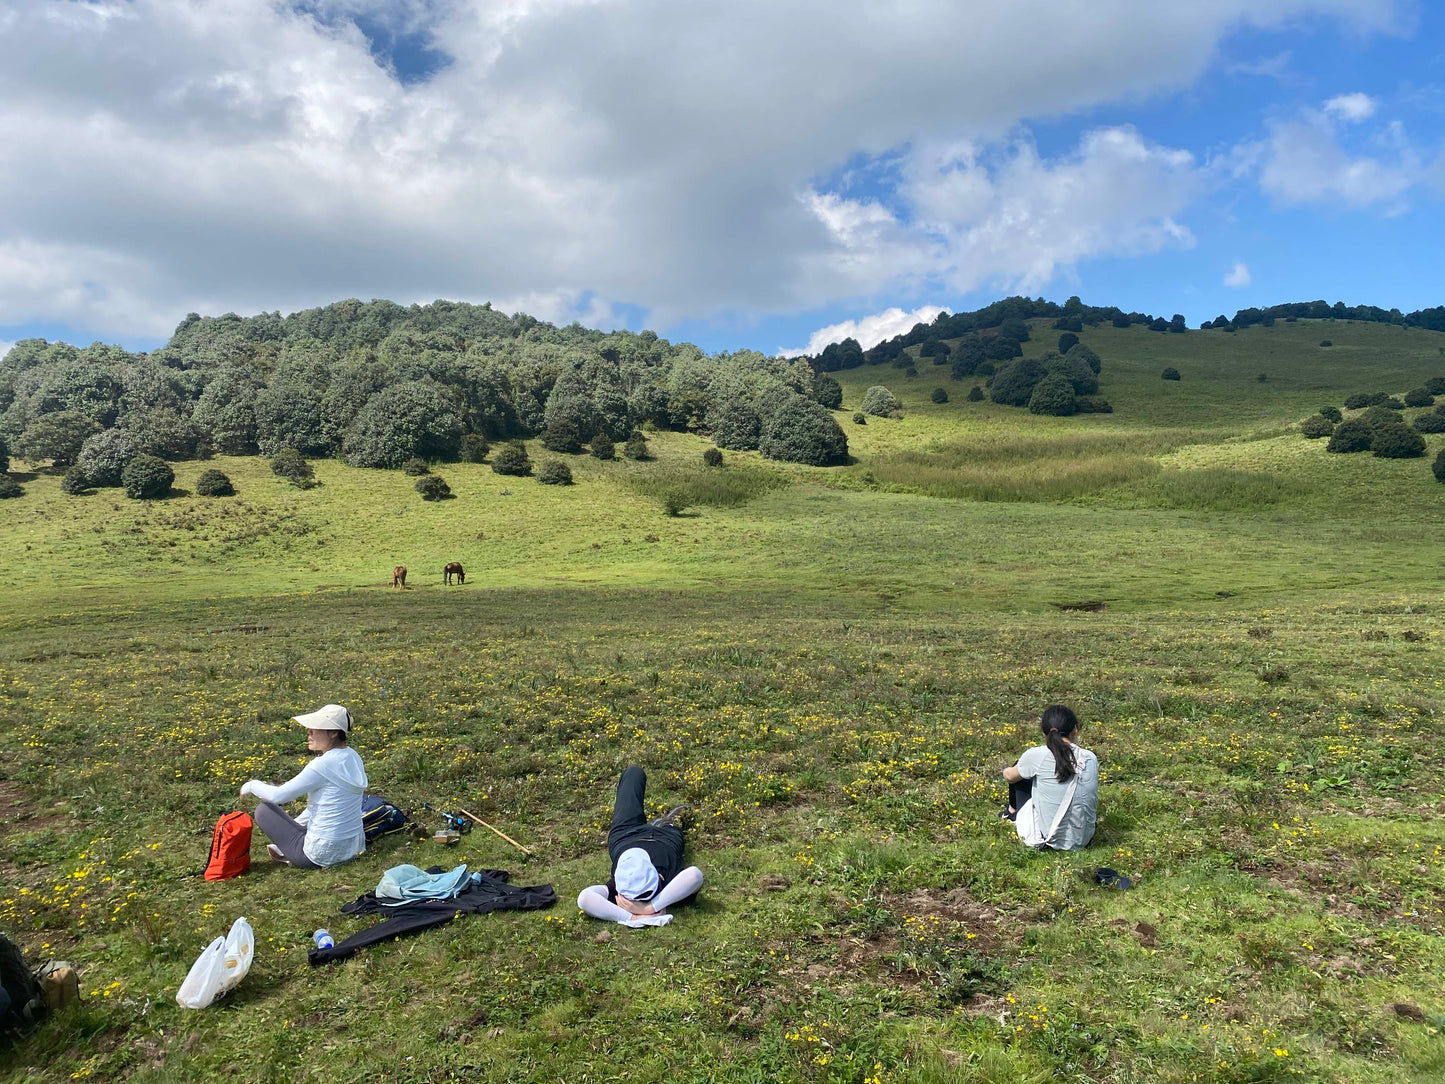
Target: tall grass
{"x":717,"y":487}
{"x":1212,"y":489}
{"x":1010,"y":467}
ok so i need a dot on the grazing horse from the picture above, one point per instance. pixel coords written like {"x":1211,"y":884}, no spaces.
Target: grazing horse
{"x":398,"y":576}
{"x":454,"y":568}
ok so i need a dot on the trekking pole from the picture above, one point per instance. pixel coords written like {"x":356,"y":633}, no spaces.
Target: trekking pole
{"x":499,"y":832}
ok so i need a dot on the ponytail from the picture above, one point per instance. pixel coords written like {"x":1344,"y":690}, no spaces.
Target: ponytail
{"x":1057,"y":724}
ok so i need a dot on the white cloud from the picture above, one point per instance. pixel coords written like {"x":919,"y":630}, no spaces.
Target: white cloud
{"x":1238,"y":275}
{"x":163,"y":155}
{"x":5,"y":345}
{"x":868,"y":330}
{"x":1351,"y":107}
{"x":972,"y":215}
{"x":1304,"y":161}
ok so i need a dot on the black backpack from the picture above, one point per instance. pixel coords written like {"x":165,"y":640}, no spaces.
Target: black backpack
{"x":26,"y":1004}
{"x":380,"y":818}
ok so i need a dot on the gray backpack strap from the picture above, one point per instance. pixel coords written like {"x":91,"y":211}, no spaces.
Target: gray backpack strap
{"x":1063,"y":808}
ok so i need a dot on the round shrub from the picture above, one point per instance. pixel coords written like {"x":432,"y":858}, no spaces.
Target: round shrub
{"x":879,"y":401}
{"x":1170,"y":373}
{"x":1262,"y":377}
{"x":975,"y":394}
{"x":433,"y":487}
{"x":986,"y":368}
{"x":1377,"y":417}
{"x":636,"y":446}
{"x":415,"y":468}
{"x":1430,"y":423}
{"x":57,"y":437}
{"x":1351,"y":436}
{"x":1390,"y":402}
{"x":939,"y":395}
{"x":1316,"y":426}
{"x":1382,"y":398}
{"x":9,"y":487}
{"x":712,"y":457}
{"x":104,"y":456}
{"x":213,"y":483}
{"x":291,"y":465}
{"x":1356,"y":401}
{"x":474,"y":448}
{"x":75,"y":482}
{"x":802,"y":431}
{"x":910,"y":371}
{"x":1053,"y":395}
{"x":602,"y":447}
{"x":512,"y":460}
{"x":1418,"y":397}
{"x":147,"y":478}
{"x":554,"y":473}
{"x":1332,"y":413}
{"x":735,"y":424}
{"x":1435,"y":385}
{"x":1438,"y":467}
{"x":1074,"y":369}
{"x":1092,"y":404}
{"x":859,"y":418}
{"x":1326,"y":342}
{"x":675,"y":501}
{"x":1397,"y":442}
{"x":1014,"y":383}
{"x":1066,"y":341}
{"x":829,"y":392}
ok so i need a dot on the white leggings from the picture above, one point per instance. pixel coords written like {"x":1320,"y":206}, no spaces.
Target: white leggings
{"x":594,"y":902}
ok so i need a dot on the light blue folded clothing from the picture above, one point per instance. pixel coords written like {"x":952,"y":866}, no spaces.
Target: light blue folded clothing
{"x":402,"y":884}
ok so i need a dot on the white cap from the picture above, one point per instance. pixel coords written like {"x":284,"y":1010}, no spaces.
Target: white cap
{"x":636,"y":876}
{"x":331,"y":717}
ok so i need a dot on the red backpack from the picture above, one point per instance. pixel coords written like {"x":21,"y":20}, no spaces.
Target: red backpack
{"x":230,"y":847}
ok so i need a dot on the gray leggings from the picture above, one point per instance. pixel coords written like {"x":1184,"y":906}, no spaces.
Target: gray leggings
{"x":281,"y":830}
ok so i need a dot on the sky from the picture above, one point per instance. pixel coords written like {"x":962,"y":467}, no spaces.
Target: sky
{"x":739,"y":174}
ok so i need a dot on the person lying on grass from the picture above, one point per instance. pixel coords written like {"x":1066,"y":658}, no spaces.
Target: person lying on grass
{"x":647,"y":874}
{"x":328,"y":831}
{"x":1053,"y":793}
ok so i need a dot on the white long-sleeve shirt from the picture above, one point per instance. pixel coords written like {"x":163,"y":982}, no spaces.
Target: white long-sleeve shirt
{"x":333,"y":784}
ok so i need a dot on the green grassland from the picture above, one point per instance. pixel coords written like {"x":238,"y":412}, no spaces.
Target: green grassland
{"x":831,"y":665}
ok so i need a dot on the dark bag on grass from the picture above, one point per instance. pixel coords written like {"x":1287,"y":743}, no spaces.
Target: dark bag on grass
{"x":24,"y":1001}
{"x":380,"y":818}
{"x":230,"y":847}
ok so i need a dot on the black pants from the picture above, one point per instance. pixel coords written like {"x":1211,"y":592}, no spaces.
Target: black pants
{"x":1018,"y":794}
{"x":631,"y":828}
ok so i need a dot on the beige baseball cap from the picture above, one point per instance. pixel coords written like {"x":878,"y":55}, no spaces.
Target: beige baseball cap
{"x":331,"y":717}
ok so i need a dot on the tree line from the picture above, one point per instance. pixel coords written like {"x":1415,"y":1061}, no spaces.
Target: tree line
{"x":380,"y":383}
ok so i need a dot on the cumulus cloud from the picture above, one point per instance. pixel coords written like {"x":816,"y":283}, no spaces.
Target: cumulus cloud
{"x":163,"y":156}
{"x":5,"y":345}
{"x":869,"y":331}
{"x":1308,"y":159}
{"x":1238,"y":275}
{"x":1351,"y":107}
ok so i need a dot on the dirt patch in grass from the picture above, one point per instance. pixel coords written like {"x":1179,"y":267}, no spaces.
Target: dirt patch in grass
{"x":18,"y":812}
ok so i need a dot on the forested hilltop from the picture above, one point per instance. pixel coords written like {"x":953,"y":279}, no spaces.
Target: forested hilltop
{"x":380,"y":383}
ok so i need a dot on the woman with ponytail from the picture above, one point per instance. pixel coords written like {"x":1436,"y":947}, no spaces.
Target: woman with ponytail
{"x":1054,"y":787}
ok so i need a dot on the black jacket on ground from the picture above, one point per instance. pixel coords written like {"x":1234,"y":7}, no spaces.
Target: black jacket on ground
{"x":492,"y":894}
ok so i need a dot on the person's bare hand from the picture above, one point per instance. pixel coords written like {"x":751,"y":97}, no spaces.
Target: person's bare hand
{"x":633,"y":907}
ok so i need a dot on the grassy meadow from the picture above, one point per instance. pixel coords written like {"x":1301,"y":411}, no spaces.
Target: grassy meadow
{"x":831,"y":666}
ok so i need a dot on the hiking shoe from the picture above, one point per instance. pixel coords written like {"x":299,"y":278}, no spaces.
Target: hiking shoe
{"x":277,"y":855}
{"x":672,"y":816}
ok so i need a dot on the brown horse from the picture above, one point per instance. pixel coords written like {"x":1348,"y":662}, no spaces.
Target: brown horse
{"x":454,"y":568}
{"x":398,"y":576}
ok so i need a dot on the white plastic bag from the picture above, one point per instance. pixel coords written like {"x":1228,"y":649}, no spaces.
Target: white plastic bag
{"x":219,"y":968}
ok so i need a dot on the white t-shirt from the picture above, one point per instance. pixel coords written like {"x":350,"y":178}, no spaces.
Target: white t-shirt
{"x":1077,"y":827}
{"x":333,"y":784}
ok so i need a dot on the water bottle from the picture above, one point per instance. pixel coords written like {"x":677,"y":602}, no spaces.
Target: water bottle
{"x":323,"y":939}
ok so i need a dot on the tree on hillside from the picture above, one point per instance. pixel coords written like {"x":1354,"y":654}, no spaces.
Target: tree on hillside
{"x":1076,"y":370}
{"x":1014,"y":383}
{"x":105,"y":455}
{"x":1001,"y":348}
{"x":1066,"y":341}
{"x":57,"y":437}
{"x":402,"y":421}
{"x":1082,"y":353}
{"x":802,"y":431}
{"x":1053,"y":395}
{"x":827,"y":391}
{"x":879,"y":401}
{"x":1015,"y":329}
{"x":226,"y":412}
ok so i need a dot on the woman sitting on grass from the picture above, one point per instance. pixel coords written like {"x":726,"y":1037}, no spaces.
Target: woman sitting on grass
{"x":328,"y":831}
{"x":1053,"y":793}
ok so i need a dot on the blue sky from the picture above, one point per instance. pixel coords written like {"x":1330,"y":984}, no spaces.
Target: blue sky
{"x":741,"y":175}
